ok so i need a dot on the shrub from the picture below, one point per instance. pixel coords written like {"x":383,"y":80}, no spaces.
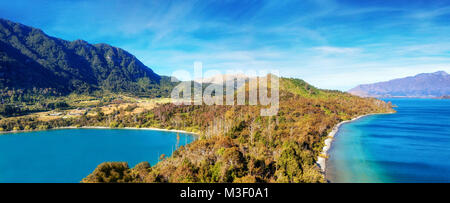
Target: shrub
{"x":140,"y":171}
{"x":43,"y":127}
{"x":185,"y":173}
{"x":142,"y":165}
{"x":245,"y":179}
{"x":220,"y":151}
{"x":113,"y":125}
{"x":110,"y":172}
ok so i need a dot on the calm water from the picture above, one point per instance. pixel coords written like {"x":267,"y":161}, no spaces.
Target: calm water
{"x":412,"y":145}
{"x":69,"y":155}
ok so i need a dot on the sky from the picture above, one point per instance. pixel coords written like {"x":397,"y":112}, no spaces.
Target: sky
{"x":330,"y":44}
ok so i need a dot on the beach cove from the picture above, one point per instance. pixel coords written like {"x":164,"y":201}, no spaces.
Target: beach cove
{"x":408,"y":146}
{"x":321,"y":160}
{"x":67,"y":155}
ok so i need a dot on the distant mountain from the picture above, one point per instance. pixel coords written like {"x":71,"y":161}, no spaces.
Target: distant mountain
{"x":222,"y":78}
{"x":31,"y":59}
{"x":422,"y":85}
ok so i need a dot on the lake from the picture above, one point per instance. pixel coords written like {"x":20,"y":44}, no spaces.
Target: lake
{"x":69,"y":155}
{"x":412,"y":145}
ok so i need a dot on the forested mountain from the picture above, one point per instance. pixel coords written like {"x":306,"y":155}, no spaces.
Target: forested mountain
{"x":422,"y":85}
{"x":32,"y":60}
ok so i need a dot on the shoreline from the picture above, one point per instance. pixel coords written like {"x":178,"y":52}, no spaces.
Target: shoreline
{"x":103,"y":127}
{"x":323,"y":156}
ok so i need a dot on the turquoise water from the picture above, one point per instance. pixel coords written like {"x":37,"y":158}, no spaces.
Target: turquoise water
{"x":412,"y":145}
{"x":69,"y":155}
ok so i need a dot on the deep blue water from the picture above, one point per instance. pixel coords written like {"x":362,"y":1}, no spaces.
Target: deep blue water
{"x":69,"y":155}
{"x":412,"y":145}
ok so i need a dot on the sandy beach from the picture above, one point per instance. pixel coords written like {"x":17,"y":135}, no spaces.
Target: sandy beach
{"x":130,"y":128}
{"x":102,"y":127}
{"x":321,"y":160}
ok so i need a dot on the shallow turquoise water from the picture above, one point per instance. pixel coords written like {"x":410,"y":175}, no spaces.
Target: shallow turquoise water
{"x":69,"y":155}
{"x":412,"y":145}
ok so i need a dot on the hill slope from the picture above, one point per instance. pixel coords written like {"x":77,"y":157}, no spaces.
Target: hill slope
{"x":422,"y":85}
{"x":236,"y":144}
{"x":31,"y":59}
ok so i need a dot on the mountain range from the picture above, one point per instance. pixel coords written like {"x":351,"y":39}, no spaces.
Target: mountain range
{"x":31,"y":59}
{"x":427,"y":85}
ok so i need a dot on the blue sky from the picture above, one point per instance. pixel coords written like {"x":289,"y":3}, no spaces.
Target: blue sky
{"x":331,"y":44}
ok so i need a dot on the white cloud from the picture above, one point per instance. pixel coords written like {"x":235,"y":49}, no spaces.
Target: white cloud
{"x":337,"y":50}
{"x":428,"y":14}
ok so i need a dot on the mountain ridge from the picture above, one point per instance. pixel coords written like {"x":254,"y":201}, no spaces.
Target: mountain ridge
{"x":427,"y":85}
{"x":29,"y":59}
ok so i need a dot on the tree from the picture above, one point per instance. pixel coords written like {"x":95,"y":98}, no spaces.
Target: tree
{"x":110,"y":172}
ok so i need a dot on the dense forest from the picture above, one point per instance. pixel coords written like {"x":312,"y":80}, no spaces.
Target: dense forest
{"x":30,"y":59}
{"x":235,"y":143}
{"x":36,"y":69}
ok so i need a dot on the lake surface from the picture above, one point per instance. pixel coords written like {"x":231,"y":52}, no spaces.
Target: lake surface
{"x":412,"y":145}
{"x":69,"y":155}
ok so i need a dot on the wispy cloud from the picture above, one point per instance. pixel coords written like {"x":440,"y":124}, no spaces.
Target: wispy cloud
{"x":329,"y":43}
{"x":430,"y":13}
{"x":337,"y":50}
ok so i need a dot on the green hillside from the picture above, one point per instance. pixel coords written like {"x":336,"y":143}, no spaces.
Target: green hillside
{"x":38,"y":72}
{"x":30,"y":59}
